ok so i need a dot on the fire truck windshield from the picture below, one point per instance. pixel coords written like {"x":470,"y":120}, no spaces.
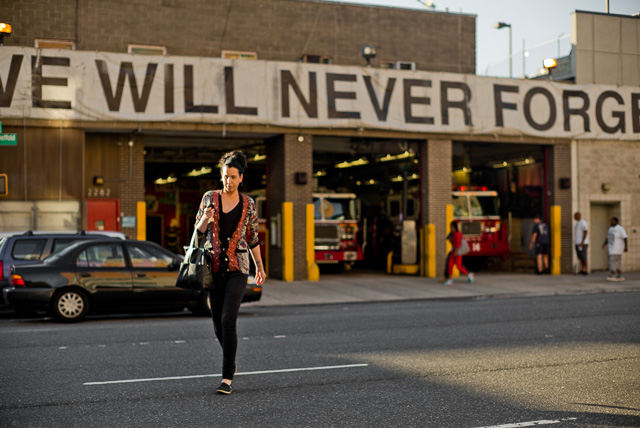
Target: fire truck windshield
{"x":475,"y":204}
{"x":482,"y":206}
{"x":327,"y":208}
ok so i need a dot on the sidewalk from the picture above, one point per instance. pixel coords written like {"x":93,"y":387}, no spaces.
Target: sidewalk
{"x":369,"y":286}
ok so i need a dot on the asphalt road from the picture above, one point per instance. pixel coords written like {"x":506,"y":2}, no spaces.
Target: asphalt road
{"x":564,"y":361}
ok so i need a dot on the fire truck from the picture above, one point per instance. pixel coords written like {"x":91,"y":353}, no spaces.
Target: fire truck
{"x":476,"y":209}
{"x":336,"y":217}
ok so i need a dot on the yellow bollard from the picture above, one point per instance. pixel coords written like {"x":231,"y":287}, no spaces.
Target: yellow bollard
{"x":141,"y":221}
{"x":556,"y":236}
{"x":455,"y":273}
{"x":313,"y":271}
{"x":287,"y":241}
{"x":430,"y":242}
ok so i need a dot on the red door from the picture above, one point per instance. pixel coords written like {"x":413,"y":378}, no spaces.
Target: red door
{"x":103,"y":214}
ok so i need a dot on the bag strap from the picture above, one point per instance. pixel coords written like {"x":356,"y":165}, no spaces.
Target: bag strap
{"x":194,"y":238}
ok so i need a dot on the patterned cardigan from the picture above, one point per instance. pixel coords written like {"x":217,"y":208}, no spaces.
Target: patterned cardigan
{"x":244,"y":238}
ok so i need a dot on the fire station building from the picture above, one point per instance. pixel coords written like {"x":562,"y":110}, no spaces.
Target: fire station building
{"x":119,"y":124}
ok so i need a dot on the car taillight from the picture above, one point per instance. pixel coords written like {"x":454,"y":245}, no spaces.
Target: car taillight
{"x":1,"y":271}
{"x":17,"y":281}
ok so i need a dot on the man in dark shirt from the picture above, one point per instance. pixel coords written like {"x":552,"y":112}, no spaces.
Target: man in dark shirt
{"x":540,"y":238}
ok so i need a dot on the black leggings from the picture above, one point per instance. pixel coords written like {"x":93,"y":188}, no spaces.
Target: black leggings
{"x":226,"y":297}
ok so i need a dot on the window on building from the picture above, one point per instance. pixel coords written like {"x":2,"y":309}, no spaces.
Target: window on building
{"x":316,"y":59}
{"x":55,"y":44}
{"x":239,"y":55}
{"x":398,"y":65}
{"x":147,"y":49}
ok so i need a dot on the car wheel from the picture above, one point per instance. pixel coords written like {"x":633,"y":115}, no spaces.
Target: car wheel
{"x":69,"y":306}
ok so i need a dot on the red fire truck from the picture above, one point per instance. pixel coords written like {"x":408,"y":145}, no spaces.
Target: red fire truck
{"x":477,"y":212}
{"x":336,"y":217}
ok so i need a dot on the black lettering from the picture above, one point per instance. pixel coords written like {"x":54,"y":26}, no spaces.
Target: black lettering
{"x":231,"y":97}
{"x":620,"y":126}
{"x":38,"y":81}
{"x":552,"y":109}
{"x":410,"y":100}
{"x":6,"y":95}
{"x":189,"y":106}
{"x":286,"y":81}
{"x":381,"y":113}
{"x":635,"y":112}
{"x":499,"y":105}
{"x":582,"y":111}
{"x":126,"y":70}
{"x":168,"y":89}
{"x":333,"y":95}
{"x":463,"y":104}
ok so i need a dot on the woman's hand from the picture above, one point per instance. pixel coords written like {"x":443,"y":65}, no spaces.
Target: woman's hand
{"x":207,"y":216}
{"x":260,"y":276}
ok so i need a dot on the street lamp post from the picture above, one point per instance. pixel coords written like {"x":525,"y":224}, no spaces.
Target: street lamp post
{"x":499,"y":25}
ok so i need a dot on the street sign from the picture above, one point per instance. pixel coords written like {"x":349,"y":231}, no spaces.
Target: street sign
{"x":8,"y":139}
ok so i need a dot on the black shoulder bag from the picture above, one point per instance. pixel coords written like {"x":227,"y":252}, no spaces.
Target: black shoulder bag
{"x":195,"y":270}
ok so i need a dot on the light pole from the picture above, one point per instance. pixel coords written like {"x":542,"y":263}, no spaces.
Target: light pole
{"x":499,"y":25}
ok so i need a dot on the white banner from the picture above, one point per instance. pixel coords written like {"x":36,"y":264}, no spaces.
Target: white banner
{"x":101,"y":86}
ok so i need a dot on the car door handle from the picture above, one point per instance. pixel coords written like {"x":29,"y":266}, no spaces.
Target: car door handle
{"x":85,"y":275}
{"x":141,"y":275}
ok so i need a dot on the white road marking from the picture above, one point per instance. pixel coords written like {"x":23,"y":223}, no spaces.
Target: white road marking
{"x":158,"y":379}
{"x":531,"y":423}
{"x":279,"y":337}
{"x":30,"y":330}
{"x":179,"y":341}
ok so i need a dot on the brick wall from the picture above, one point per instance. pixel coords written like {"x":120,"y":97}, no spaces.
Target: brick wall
{"x":276,"y":29}
{"x":614,"y":163}
{"x":131,"y":173}
{"x":435,"y":191}
{"x":559,"y":166}
{"x":286,"y":156}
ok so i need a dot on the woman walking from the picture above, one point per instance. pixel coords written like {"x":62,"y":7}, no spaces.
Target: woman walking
{"x":455,"y":237}
{"x":229,"y":221}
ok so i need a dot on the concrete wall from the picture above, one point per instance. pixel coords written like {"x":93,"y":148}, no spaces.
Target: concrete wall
{"x":607,"y":48}
{"x":274,"y":29}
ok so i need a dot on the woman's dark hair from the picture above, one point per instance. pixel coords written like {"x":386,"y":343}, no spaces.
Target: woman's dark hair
{"x":235,"y":159}
{"x":454,"y":225}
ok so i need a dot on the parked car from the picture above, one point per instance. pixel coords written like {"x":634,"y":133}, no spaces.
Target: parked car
{"x":18,"y":248}
{"x":106,"y":275}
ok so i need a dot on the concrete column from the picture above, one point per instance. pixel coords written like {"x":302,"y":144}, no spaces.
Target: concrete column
{"x":435,"y":191}
{"x":559,"y":194}
{"x":287,"y":159}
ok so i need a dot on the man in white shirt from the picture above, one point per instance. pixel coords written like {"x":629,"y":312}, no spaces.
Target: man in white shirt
{"x":617,"y":243}
{"x":581,"y":241}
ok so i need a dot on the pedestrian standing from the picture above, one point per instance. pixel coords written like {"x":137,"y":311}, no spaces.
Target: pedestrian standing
{"x":229,"y":222}
{"x":455,"y":237}
{"x":540,"y":238}
{"x":617,"y":244}
{"x":581,"y":240}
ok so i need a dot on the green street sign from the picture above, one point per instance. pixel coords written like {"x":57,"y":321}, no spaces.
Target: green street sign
{"x":8,"y":139}
{"x":0,"y":126}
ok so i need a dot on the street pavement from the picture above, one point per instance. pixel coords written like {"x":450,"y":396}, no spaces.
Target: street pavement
{"x":375,"y":286}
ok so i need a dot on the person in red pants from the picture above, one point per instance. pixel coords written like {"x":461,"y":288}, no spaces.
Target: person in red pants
{"x":455,"y":237}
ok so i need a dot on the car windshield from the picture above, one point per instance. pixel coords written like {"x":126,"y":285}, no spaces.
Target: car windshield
{"x":60,"y":252}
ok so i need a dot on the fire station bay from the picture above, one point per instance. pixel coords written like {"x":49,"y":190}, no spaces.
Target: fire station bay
{"x":366,"y":131}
